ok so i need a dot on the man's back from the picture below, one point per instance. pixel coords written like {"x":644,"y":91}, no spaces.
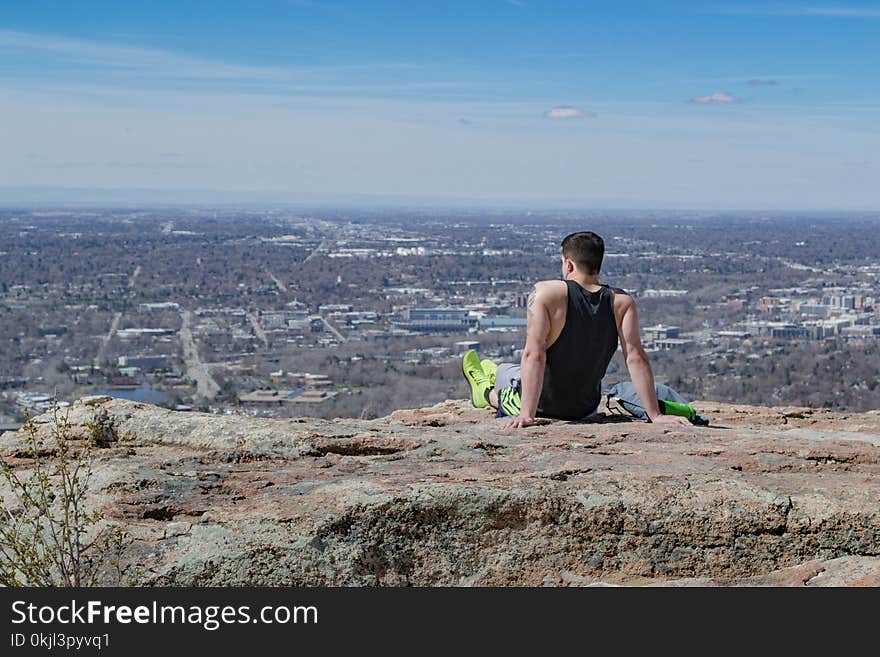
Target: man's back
{"x":582,"y":340}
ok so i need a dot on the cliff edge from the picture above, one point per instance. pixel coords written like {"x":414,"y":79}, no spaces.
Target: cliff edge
{"x":443,"y":496}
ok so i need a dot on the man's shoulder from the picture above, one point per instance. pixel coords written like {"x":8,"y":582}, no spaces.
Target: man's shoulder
{"x":622,"y":298}
{"x":551,"y":288}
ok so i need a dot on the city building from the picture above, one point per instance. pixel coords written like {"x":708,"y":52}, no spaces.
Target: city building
{"x":269,"y":397}
{"x":498,"y":323}
{"x":670,"y":343}
{"x":465,"y":345}
{"x":652,"y":293}
{"x":146,"y":363}
{"x":660,"y":332}
{"x":440,"y":319}
{"x":295,"y":319}
{"x":815,"y":310}
{"x":129,"y":333}
{"x":736,"y":335}
{"x":158,"y":306}
{"x":334,"y":308}
{"x":794,"y":332}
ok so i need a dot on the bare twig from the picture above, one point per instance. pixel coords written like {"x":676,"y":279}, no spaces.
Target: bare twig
{"x":47,"y":536}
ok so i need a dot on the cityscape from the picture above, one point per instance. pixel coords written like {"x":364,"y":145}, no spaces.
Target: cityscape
{"x":281,"y":312}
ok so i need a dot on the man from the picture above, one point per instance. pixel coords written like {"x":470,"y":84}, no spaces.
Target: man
{"x":572,"y":330}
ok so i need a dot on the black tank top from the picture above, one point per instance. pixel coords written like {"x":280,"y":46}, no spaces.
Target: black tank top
{"x":577,"y":361}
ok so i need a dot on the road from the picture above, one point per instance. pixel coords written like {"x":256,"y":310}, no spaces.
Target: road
{"x":316,"y":251}
{"x":133,"y":277}
{"x":196,"y":370}
{"x":258,"y":330}
{"x":797,"y":265}
{"x":281,"y":286}
{"x":333,"y":330}
{"x":102,"y":349}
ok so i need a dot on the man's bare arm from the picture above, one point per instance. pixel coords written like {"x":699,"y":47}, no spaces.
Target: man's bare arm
{"x":638,"y":365}
{"x":534,"y":357}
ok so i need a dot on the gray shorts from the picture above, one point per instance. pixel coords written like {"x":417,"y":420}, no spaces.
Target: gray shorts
{"x":507,"y":373}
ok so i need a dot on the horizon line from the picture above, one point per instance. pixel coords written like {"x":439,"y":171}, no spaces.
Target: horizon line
{"x":365,"y":201}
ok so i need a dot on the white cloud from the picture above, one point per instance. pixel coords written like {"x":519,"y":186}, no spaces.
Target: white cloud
{"x":717,"y":98}
{"x":851,"y":12}
{"x":567,"y":112}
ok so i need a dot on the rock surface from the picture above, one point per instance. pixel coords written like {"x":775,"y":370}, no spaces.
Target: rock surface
{"x":443,"y":496}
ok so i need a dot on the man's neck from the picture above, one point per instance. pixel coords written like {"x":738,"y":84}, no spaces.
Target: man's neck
{"x":588,"y":282}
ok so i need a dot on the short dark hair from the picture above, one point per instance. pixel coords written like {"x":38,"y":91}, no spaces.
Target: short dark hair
{"x":587,"y":249}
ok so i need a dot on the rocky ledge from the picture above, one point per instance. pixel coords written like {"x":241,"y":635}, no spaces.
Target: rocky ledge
{"x":443,"y":496}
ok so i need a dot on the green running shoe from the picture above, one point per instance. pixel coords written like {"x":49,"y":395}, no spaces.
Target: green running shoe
{"x":491,"y":370}
{"x":476,"y":378}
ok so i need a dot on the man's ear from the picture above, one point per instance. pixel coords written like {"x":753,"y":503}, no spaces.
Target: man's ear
{"x":568,"y":266}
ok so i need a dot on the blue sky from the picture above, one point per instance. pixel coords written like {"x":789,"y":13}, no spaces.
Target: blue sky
{"x":716,"y":105}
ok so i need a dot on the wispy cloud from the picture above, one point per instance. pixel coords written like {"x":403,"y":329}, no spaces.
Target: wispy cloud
{"x":717,"y":98}
{"x":61,"y":64}
{"x":763,"y":82}
{"x":516,"y":3}
{"x":776,"y":10}
{"x":64,"y":53}
{"x":847,"y":12}
{"x":567,"y":112}
{"x":78,"y":52}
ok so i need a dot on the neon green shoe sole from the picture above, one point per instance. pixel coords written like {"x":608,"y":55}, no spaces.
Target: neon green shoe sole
{"x":476,"y":378}
{"x":490,"y":369}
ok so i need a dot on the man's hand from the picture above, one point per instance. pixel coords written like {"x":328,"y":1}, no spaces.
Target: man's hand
{"x":518,"y":422}
{"x":671,"y":419}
